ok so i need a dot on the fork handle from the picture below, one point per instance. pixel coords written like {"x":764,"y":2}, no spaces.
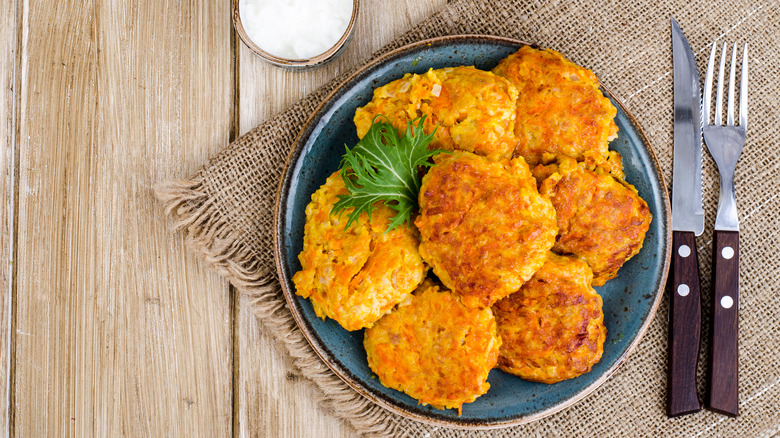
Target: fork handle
{"x":684,"y":326}
{"x":723,"y":382}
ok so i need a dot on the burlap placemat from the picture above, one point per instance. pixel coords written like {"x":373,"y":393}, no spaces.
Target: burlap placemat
{"x":225,"y":208}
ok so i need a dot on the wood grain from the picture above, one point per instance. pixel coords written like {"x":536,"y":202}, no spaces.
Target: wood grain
{"x":723,"y":370}
{"x":273,"y":399}
{"x":119,"y":331}
{"x":684,"y":326}
{"x":7,"y":96}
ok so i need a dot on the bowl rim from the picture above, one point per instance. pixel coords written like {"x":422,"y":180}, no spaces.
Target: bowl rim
{"x":322,"y":58}
{"x":307,"y":330}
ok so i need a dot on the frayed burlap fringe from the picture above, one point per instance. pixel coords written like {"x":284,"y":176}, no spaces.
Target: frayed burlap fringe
{"x":334,"y":395}
{"x":210,"y":237}
{"x":223,"y":210}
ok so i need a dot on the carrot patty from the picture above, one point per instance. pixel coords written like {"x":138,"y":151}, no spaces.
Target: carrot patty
{"x":355,"y":275}
{"x":553,"y":327}
{"x":485,"y":229}
{"x":560,"y":108}
{"x":601,"y":219}
{"x":471,"y":109}
{"x":434,"y":348}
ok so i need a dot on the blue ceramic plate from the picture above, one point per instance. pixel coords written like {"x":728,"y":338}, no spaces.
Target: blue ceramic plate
{"x":630,"y":300}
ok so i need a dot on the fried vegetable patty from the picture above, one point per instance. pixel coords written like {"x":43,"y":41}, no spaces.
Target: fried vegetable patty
{"x":485,"y":229}
{"x":355,"y":275}
{"x":471,"y":110}
{"x":601,"y":220}
{"x":552,"y":328}
{"x":434,"y":348}
{"x":560,"y":108}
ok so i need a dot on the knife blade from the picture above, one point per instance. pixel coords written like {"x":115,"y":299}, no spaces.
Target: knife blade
{"x":687,"y":222}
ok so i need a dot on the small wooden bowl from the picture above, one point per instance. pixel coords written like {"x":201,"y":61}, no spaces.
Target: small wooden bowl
{"x":298,"y":64}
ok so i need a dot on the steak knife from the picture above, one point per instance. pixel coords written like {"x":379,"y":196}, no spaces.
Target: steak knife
{"x":687,"y":222}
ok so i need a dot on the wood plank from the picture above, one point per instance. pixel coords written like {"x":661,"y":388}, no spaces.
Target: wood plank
{"x":7,"y":70}
{"x":273,"y":400}
{"x":119,"y":329}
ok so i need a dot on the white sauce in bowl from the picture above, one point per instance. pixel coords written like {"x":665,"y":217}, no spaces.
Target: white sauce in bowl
{"x":295,"y":29}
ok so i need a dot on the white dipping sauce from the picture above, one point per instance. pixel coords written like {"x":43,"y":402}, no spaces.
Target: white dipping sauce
{"x":295,"y":29}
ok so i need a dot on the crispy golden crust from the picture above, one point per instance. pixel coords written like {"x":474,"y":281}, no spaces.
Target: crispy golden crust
{"x":485,"y":229}
{"x":552,"y":328}
{"x":472,"y":110}
{"x":434,"y":348}
{"x":357,"y":275}
{"x":601,"y":220}
{"x":613,"y":166}
{"x":560,"y":109}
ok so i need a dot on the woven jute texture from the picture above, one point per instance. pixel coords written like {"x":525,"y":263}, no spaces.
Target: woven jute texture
{"x":225,"y":209}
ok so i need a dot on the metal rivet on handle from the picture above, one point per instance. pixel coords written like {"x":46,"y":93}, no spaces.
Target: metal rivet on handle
{"x":684,"y":251}
{"x":683,"y":290}
{"x":727,"y":252}
{"x":727,"y":302}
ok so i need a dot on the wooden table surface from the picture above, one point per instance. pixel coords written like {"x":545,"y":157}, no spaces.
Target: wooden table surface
{"x":110,"y":326}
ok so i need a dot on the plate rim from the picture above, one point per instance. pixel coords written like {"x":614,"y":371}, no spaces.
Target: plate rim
{"x":306,"y":329}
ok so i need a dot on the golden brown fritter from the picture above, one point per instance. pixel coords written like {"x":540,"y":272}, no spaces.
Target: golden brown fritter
{"x":485,"y":229}
{"x":434,"y":348}
{"x":601,"y":220}
{"x":552,"y":328}
{"x":560,"y":108}
{"x":471,"y":110}
{"x":356,"y":275}
{"x":613,"y":166}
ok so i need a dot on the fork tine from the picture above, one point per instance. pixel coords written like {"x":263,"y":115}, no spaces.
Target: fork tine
{"x":719,"y":96}
{"x":743,"y":87}
{"x":708,"y":85}
{"x":730,"y":111}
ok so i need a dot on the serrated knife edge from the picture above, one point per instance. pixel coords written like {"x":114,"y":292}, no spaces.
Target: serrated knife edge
{"x":687,"y":210}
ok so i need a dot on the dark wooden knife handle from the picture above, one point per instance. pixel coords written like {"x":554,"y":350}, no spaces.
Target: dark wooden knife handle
{"x":723,"y":385}
{"x":684,"y":326}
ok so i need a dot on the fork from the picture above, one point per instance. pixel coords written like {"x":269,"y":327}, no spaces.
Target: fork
{"x":725,"y":144}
